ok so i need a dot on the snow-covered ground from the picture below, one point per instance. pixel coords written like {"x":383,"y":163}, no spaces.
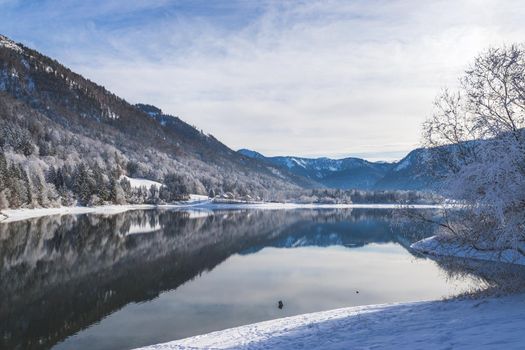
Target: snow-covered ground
{"x":434,"y":246}
{"x":491,"y":323}
{"x":136,"y":182}
{"x":22,"y":214}
{"x":198,"y":197}
{"x":272,"y":205}
{"x":195,"y":202}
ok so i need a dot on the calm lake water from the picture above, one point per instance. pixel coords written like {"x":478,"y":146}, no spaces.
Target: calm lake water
{"x":144,"y":277}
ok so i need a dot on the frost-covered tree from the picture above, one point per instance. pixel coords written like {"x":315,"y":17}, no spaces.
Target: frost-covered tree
{"x":153,"y":195}
{"x":3,"y":172}
{"x":478,"y":145}
{"x":4,"y":203}
{"x":117,"y":194}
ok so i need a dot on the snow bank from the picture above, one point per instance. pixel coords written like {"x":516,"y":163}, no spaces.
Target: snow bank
{"x":495,"y":323}
{"x":438,"y":247}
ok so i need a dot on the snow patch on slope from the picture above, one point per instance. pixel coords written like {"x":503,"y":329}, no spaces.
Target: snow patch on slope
{"x":138,"y":182}
{"x":403,"y":164}
{"x":299,"y":162}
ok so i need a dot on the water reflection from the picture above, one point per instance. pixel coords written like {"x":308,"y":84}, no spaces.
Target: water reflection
{"x":60,"y":275}
{"x":492,"y":277}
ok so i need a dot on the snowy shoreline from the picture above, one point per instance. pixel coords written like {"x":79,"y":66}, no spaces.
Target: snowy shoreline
{"x":11,"y":215}
{"x":494,"y":323}
{"x":23,"y":214}
{"x":435,"y":247}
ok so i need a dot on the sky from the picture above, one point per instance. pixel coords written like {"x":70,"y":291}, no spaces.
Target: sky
{"x":308,"y":78}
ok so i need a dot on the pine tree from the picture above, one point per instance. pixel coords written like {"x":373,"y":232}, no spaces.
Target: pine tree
{"x":51,"y":175}
{"x":153,"y":194}
{"x":100,"y":185}
{"x":3,"y":172}
{"x":60,"y":181}
{"x":83,"y":183}
{"x":27,"y":185}
{"x":4,"y":203}
{"x":117,"y":195}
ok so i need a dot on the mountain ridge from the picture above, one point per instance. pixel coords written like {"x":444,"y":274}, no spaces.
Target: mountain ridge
{"x":409,"y":173}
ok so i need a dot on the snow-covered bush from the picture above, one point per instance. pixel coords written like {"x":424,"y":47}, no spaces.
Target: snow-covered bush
{"x":479,"y":142}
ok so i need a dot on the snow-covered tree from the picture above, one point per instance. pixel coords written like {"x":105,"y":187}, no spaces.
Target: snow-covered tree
{"x":4,"y":204}
{"x":117,"y":194}
{"x":478,"y":145}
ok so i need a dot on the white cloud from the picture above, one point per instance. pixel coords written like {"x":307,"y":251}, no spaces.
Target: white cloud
{"x":308,"y":78}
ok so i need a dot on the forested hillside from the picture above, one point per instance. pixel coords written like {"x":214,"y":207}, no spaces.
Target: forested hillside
{"x":66,"y":140}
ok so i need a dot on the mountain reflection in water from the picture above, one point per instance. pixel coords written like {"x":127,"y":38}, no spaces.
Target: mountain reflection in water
{"x":60,"y":275}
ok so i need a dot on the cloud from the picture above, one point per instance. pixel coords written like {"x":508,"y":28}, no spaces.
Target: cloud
{"x":315,"y":78}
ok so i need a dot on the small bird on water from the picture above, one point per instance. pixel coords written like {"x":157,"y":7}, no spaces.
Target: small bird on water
{"x":280,"y":304}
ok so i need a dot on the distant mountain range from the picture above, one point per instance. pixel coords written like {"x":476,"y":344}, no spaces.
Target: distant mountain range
{"x":410,"y":173}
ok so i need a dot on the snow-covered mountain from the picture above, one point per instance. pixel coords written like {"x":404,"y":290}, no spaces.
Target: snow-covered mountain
{"x":413,"y":172}
{"x":410,"y":173}
{"x":333,"y":173}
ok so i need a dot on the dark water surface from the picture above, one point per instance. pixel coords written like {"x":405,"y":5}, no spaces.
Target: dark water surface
{"x":144,"y":277}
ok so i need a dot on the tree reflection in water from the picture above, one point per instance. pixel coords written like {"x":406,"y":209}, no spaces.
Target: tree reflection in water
{"x":61,"y":274}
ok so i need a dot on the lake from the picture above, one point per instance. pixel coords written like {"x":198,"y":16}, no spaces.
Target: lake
{"x":144,"y":277}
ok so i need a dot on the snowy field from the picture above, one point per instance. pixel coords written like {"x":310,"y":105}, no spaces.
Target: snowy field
{"x":139,"y":182}
{"x":491,"y":323}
